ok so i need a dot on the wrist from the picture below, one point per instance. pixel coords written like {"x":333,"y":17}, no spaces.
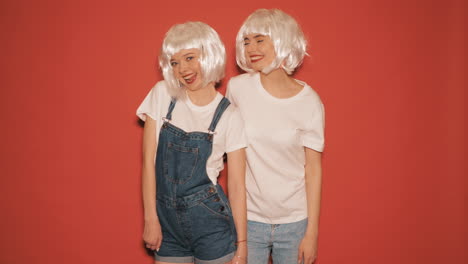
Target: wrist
{"x":241,"y":249}
{"x":311,"y":234}
{"x":238,"y":242}
{"x":151,"y":219}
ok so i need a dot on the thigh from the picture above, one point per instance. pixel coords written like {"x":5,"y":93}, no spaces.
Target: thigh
{"x":286,"y":241}
{"x":258,"y":242}
{"x":213,"y":231}
{"x":175,"y":248}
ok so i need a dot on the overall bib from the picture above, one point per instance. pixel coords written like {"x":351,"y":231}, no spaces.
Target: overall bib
{"x":195,"y":215}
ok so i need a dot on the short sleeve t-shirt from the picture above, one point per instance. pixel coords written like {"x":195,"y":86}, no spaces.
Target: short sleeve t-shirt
{"x":229,"y":135}
{"x":277,"y":131}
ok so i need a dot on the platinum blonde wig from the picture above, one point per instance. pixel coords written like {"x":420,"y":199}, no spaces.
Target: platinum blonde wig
{"x":286,"y":35}
{"x":193,"y":35}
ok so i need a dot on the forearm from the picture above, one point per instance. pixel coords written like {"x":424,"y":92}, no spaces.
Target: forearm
{"x":237,"y":195}
{"x":148,"y":187}
{"x":148,"y":179}
{"x":313,"y":182}
{"x":239,"y":209}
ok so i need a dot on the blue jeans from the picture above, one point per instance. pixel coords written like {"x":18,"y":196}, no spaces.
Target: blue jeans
{"x":280,"y":240}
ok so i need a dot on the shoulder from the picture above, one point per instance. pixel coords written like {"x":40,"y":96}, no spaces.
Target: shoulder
{"x":232,"y":110}
{"x":245,"y":77}
{"x":231,"y":115}
{"x":310,"y":95}
{"x":161,"y":88}
{"x":240,"y":85}
{"x":160,"y":92}
{"x":242,"y":80}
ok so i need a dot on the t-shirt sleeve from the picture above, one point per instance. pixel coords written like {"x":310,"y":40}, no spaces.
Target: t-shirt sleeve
{"x":313,"y":135}
{"x":235,"y":135}
{"x":149,"y":106}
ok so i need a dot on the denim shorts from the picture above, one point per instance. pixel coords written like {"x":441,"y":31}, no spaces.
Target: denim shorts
{"x":280,"y":240}
{"x":198,"y":228}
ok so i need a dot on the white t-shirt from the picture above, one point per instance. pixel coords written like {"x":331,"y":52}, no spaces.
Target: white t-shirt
{"x":277,"y":131}
{"x":229,"y":135}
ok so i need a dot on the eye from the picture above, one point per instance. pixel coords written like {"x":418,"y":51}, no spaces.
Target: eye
{"x":173,"y":63}
{"x":246,"y":43}
{"x":189,"y":58}
{"x":259,"y":40}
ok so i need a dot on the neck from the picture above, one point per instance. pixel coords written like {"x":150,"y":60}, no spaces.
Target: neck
{"x":279,"y":84}
{"x":203,"y":96}
{"x":276,"y":79}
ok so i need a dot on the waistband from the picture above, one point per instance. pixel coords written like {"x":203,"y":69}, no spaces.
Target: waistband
{"x":189,"y":200}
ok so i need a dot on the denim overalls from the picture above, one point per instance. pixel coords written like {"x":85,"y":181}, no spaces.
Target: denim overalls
{"x":194,"y":214}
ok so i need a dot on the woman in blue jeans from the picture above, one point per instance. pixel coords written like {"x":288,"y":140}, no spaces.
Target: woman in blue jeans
{"x":284,"y":123}
{"x":188,"y":128}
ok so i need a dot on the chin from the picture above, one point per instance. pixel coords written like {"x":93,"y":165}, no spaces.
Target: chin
{"x":193,"y":87}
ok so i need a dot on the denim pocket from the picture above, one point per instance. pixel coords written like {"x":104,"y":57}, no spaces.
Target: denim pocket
{"x":215,"y":206}
{"x":179,"y":162}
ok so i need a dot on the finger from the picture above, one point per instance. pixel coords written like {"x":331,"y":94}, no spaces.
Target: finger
{"x":158,"y":243}
{"x":300,"y":256}
{"x":148,"y":245}
{"x":309,"y":260}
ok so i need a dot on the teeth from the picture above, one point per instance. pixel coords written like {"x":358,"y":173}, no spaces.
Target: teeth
{"x":189,"y":78}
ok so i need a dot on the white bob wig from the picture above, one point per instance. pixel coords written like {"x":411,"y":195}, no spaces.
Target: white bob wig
{"x":285,"y":33}
{"x":193,"y":35}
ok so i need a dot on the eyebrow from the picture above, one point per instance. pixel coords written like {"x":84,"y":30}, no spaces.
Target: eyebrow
{"x":256,"y":36}
{"x":185,"y":55}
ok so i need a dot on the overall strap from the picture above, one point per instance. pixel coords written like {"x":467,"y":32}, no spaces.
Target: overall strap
{"x":171,"y":107}
{"x":218,"y":113}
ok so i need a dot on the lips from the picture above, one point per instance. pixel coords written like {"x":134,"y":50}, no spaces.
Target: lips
{"x":190,"y":78}
{"x":255,"y":58}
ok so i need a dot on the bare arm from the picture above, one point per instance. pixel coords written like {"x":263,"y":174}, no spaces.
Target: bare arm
{"x":313,"y":181}
{"x":237,"y":198}
{"x":152,"y":231}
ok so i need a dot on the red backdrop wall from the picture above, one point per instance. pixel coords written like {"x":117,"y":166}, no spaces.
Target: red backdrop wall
{"x":392,"y":76}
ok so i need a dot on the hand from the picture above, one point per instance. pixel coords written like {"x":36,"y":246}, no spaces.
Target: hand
{"x":239,"y":259}
{"x":307,"y":250}
{"x":152,"y":235}
{"x":241,"y":254}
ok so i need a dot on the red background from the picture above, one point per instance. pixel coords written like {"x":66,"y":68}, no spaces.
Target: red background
{"x":392,"y":76}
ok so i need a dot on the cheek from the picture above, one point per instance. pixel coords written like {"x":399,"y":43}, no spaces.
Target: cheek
{"x":246,"y":57}
{"x":271,"y":51}
{"x":175,"y":71}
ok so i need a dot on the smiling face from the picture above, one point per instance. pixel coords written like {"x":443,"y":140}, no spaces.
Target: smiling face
{"x":186,"y":68}
{"x":259,"y":51}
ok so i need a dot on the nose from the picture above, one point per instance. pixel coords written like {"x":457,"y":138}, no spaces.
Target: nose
{"x":250,"y":47}
{"x":183,"y":66}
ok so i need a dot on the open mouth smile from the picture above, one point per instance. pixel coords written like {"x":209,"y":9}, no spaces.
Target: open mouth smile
{"x":190,"y":78}
{"x":255,"y":58}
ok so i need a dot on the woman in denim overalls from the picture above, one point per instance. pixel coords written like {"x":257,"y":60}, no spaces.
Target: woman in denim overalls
{"x":190,"y":127}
